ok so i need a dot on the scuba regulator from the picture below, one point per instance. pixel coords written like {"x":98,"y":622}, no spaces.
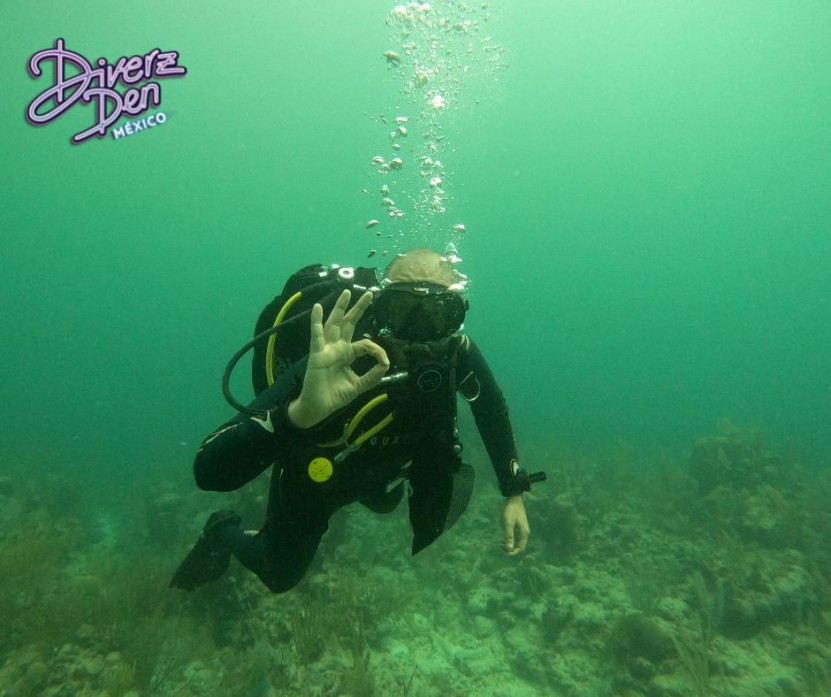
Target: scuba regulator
{"x":418,"y":324}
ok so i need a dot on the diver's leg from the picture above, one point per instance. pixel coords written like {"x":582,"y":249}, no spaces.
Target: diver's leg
{"x":210,"y":556}
{"x":280,"y":553}
{"x":386,"y":501}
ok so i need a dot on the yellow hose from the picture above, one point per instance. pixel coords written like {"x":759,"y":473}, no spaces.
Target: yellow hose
{"x":269,"y":352}
{"x":353,"y":424}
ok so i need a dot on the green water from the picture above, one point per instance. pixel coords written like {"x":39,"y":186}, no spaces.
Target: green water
{"x":645,"y":191}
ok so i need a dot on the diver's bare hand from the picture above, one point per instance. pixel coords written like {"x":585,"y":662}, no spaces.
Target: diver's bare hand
{"x":516,"y":526}
{"x":330,"y":383}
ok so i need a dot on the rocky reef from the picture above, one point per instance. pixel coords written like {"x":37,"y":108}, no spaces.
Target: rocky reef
{"x":704,"y":575}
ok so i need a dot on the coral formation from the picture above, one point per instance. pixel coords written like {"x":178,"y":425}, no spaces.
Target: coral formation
{"x":667,"y":579}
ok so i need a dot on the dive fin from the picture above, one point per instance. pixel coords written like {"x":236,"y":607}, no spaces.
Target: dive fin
{"x":210,"y":556}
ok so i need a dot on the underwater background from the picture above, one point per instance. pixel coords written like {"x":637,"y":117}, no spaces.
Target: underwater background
{"x":640,"y":193}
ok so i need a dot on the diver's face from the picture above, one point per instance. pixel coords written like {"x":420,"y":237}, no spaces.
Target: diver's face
{"x":418,"y":311}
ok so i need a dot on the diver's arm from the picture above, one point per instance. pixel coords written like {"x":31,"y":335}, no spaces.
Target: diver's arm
{"x":245,"y":446}
{"x":299,"y":402}
{"x":491,"y":414}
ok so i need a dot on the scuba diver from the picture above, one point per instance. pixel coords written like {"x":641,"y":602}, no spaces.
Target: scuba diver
{"x":358,"y":421}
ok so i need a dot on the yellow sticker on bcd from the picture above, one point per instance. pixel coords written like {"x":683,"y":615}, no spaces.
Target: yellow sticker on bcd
{"x":320,"y":469}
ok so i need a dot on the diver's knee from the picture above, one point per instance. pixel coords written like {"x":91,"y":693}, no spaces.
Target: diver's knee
{"x":386,"y":502}
{"x":279,"y":584}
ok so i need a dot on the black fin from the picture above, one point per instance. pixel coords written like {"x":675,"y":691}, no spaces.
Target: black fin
{"x":210,"y":556}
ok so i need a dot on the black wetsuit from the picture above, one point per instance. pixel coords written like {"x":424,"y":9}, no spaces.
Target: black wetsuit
{"x":420,"y":445}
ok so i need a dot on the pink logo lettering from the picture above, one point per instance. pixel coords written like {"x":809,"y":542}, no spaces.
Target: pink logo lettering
{"x":75,"y":80}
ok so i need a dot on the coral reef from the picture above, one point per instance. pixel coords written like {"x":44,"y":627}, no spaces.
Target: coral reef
{"x":667,"y":579}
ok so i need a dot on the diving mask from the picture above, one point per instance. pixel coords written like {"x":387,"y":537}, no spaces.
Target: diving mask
{"x":419,"y":311}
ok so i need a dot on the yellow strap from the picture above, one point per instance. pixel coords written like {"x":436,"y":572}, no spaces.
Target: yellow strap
{"x":269,"y":352}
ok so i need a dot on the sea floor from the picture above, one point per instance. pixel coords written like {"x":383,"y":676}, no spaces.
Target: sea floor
{"x":710,"y":576}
